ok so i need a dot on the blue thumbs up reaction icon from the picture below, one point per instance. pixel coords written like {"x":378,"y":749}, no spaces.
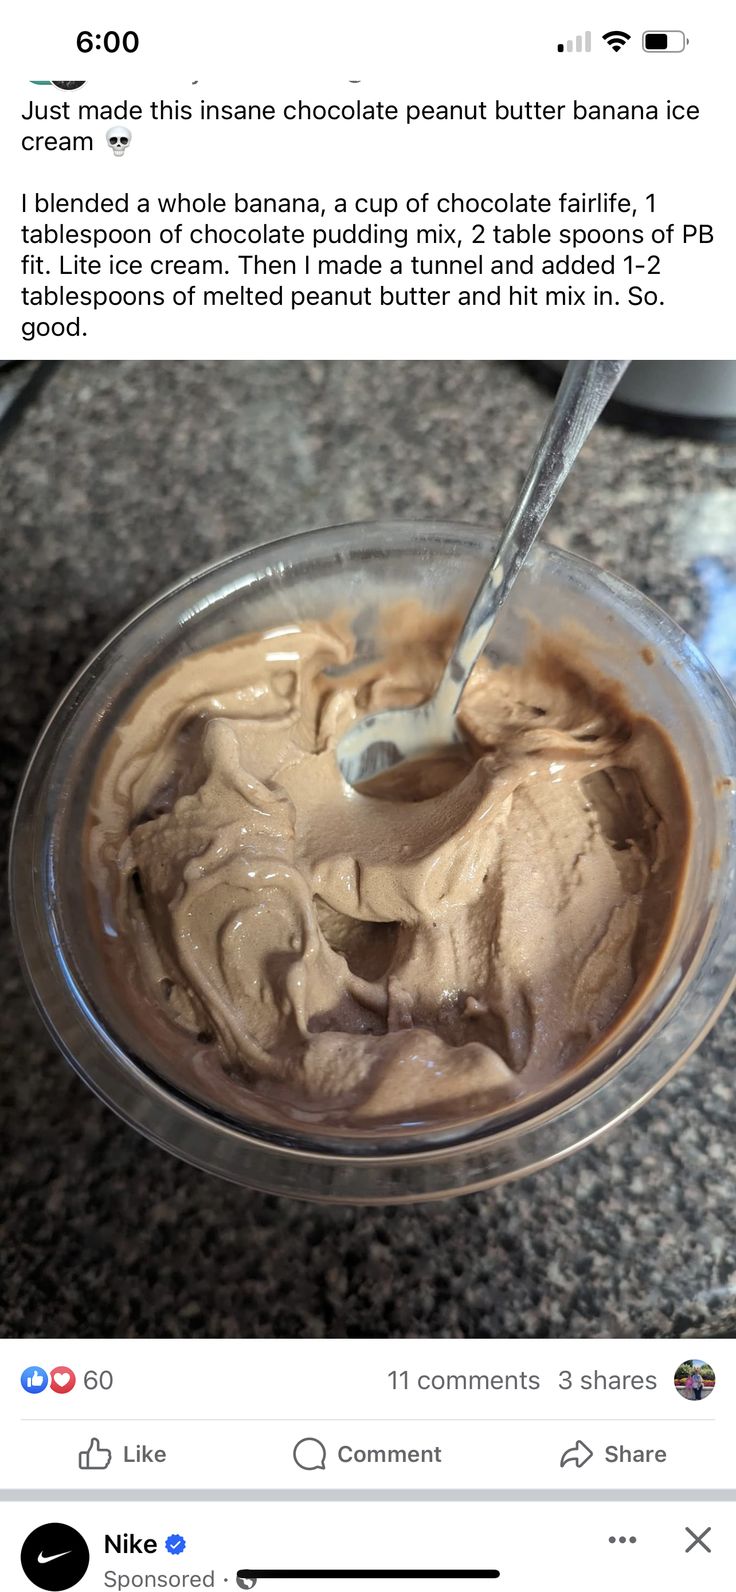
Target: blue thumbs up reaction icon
{"x":34,"y":1379}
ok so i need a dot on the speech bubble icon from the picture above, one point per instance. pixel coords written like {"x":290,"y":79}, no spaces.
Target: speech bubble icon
{"x":310,"y":1454}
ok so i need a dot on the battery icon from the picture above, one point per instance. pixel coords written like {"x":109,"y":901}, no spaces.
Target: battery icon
{"x":671,"y":41}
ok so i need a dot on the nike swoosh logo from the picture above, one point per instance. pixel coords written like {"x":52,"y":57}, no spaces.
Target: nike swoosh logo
{"x":45,"y":1558}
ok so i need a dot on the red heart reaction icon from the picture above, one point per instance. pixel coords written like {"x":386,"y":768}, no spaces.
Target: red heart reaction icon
{"x":62,"y":1379}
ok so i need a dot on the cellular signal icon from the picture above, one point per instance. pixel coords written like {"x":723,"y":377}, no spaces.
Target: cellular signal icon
{"x":616,"y":38}
{"x":580,"y":43}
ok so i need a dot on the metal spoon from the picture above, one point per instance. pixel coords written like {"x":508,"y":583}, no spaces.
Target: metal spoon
{"x":384,"y":739}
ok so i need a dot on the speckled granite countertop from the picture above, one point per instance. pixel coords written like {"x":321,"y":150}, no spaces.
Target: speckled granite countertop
{"x":117,"y":480}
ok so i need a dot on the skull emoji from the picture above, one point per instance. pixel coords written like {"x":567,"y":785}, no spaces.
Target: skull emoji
{"x":118,"y":139}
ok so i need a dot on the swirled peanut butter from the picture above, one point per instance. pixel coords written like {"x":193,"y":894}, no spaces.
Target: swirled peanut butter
{"x":441,"y":945}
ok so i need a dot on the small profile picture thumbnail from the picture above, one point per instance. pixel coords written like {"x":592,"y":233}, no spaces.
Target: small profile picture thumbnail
{"x":695,"y":1380}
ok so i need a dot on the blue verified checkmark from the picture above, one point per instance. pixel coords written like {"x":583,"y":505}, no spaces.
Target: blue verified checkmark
{"x":175,"y":1543}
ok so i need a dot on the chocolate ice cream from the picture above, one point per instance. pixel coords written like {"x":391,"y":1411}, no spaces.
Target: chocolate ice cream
{"x":444,"y":944}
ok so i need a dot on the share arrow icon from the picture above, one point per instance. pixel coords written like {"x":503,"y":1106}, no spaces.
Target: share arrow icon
{"x":579,"y":1455}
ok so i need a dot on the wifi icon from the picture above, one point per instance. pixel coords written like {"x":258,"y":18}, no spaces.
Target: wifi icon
{"x":616,"y":38}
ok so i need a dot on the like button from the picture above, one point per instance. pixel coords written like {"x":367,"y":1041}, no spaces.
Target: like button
{"x":95,"y":1457}
{"x":34,"y":1379}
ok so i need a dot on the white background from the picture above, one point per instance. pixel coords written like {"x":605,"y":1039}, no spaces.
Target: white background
{"x":406,"y":52}
{"x":567,"y":1546}
{"x":229,"y":1414}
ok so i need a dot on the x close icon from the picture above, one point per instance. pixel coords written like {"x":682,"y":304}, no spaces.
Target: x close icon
{"x":698,"y":1541}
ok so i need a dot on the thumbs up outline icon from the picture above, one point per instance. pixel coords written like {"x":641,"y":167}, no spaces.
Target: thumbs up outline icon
{"x":95,"y":1457}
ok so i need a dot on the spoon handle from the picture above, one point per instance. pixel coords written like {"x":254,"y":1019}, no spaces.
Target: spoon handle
{"x":583,"y":392}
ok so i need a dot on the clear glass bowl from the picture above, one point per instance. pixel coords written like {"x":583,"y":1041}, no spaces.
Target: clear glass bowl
{"x":363,"y":567}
